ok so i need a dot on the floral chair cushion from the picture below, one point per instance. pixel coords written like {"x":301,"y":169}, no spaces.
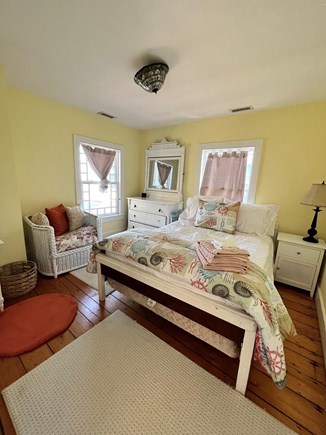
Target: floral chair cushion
{"x":75,"y":239}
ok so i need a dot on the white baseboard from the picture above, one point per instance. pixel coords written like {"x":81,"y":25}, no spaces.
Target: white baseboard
{"x":110,"y":233}
{"x":321,"y":313}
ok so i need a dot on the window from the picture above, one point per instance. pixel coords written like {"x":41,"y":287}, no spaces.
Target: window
{"x":222,"y":176}
{"x":98,"y":196}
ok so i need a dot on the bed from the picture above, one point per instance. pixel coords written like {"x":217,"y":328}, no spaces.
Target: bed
{"x":161,"y":267}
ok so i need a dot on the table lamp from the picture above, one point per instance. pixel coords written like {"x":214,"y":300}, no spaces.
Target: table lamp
{"x":317,"y":198}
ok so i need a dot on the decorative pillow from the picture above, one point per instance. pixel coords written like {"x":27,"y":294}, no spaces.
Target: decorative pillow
{"x":40,"y":219}
{"x":257,"y":219}
{"x":217,"y":216}
{"x":75,"y":217}
{"x":190,"y":211}
{"x":58,"y":219}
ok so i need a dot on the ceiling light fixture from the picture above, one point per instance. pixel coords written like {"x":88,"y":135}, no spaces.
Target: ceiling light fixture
{"x":151,"y":77}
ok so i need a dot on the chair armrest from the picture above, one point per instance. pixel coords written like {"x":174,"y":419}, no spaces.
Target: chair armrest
{"x":95,"y":221}
{"x":40,"y":239}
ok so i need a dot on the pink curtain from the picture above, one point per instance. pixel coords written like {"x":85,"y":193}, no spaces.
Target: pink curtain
{"x":101,"y":160}
{"x":163,"y":172}
{"x":225,"y":175}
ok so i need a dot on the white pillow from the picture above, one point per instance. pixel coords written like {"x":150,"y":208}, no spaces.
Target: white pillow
{"x":257,"y":219}
{"x":190,"y":211}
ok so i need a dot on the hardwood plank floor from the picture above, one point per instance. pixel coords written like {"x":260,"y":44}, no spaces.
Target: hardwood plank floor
{"x":301,"y":405}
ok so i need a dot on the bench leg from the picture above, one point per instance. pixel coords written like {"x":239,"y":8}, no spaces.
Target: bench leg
{"x":245,"y":361}
{"x":100,"y":283}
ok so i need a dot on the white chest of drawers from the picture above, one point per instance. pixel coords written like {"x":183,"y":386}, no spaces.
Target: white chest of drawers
{"x":145,"y":212}
{"x":298,"y":262}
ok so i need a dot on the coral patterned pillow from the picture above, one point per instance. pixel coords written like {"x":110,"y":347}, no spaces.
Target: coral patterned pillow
{"x":217,"y":216}
{"x":75,"y":217}
{"x":58,"y":219}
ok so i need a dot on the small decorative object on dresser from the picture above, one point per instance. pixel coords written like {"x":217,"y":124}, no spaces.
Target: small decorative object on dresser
{"x":298,"y":262}
{"x":146,"y":212}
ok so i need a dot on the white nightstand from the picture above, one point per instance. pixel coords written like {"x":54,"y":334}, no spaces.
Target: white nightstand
{"x":298,"y":262}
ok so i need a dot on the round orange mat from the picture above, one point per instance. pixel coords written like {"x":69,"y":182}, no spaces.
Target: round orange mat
{"x":32,"y":322}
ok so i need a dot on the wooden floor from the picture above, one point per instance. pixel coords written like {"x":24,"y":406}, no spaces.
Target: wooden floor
{"x":301,"y":405}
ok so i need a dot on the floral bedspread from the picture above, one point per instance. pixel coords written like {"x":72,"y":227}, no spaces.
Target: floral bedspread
{"x":253,"y":291}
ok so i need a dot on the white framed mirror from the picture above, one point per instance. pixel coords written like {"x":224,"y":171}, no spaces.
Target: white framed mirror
{"x":164,"y":170}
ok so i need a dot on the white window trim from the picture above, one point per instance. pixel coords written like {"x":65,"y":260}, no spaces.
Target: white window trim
{"x":83,"y":139}
{"x":254,"y":143}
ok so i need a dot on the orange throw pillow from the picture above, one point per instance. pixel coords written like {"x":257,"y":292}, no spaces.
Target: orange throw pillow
{"x":58,"y":219}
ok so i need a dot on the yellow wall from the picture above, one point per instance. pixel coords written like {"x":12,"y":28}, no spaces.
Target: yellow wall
{"x":11,"y":230}
{"x":293,"y":157}
{"x":42,"y":136}
{"x":37,"y":164}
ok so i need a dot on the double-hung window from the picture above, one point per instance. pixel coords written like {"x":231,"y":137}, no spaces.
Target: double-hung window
{"x":98,"y":167}
{"x":230,"y":169}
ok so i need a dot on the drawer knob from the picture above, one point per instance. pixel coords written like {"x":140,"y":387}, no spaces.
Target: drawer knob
{"x":298,"y":252}
{"x":135,"y":205}
{"x":159,"y":210}
{"x":135,"y":215}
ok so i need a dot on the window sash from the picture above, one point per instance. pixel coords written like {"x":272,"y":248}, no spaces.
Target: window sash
{"x":87,"y":182}
{"x":253,"y":147}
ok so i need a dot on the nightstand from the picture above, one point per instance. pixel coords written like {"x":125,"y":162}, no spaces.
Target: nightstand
{"x":298,"y":262}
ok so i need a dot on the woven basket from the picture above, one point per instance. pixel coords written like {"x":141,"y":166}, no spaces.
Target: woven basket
{"x":18,"y":278}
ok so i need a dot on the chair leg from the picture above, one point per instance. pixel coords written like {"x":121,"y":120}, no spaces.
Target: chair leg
{"x":54,"y":268}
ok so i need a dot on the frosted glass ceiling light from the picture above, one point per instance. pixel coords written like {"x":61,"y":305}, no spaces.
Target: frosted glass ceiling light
{"x":151,"y":77}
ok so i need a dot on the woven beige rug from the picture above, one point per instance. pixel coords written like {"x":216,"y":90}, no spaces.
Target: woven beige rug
{"x":119,"y":378}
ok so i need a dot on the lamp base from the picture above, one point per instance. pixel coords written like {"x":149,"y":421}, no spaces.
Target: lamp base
{"x":312,"y":231}
{"x":310,"y":239}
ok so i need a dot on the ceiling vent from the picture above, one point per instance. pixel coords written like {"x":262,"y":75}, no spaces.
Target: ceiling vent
{"x":241,"y":109}
{"x":106,"y":115}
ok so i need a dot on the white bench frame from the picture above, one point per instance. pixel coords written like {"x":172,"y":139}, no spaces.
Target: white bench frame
{"x":226,"y":313}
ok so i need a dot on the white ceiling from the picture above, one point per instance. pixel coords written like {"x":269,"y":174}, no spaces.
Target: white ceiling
{"x":222,"y":54}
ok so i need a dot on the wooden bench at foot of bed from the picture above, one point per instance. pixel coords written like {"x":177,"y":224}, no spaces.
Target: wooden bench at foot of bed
{"x":210,"y":314}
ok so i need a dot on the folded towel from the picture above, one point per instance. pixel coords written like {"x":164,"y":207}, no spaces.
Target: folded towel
{"x":223,"y":259}
{"x":222,"y":267}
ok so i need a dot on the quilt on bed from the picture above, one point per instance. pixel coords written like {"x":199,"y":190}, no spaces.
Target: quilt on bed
{"x":253,"y":291}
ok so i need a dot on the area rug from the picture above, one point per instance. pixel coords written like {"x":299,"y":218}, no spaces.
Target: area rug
{"x":90,"y":279}
{"x":32,"y":322}
{"x":119,"y":378}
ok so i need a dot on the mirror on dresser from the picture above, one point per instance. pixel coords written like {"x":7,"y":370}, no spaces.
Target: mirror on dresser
{"x":164,"y":170}
{"x":163,"y":186}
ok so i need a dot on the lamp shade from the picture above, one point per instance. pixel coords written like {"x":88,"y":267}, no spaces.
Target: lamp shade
{"x":152,"y":77}
{"x":316,"y":195}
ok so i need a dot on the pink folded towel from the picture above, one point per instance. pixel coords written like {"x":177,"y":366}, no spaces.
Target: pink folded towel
{"x":223,"y":259}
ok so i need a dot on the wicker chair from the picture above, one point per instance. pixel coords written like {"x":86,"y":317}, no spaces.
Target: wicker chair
{"x":42,"y":246}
